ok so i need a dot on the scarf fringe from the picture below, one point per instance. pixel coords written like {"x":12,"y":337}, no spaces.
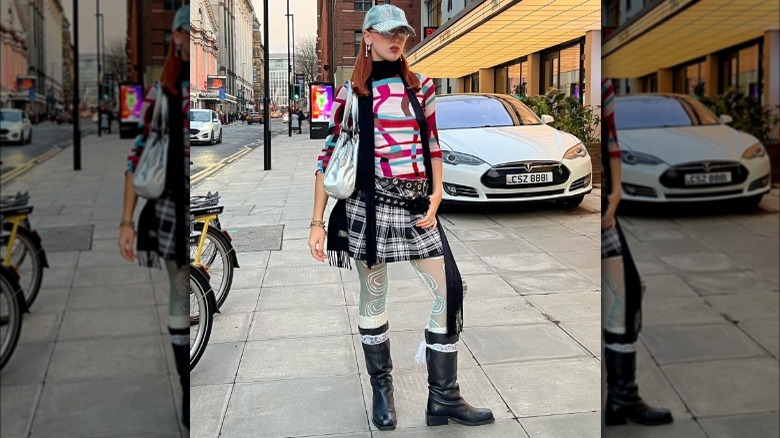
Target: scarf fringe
{"x":339,"y":259}
{"x":148,"y":259}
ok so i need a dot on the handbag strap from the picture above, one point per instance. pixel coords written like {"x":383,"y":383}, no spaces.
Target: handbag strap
{"x":423,"y":124}
{"x":350,"y":109}
{"x":160,"y":110}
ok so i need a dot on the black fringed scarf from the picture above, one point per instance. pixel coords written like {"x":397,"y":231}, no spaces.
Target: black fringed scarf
{"x":338,"y":244}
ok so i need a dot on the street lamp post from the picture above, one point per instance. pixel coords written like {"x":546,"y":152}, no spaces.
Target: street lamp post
{"x":266,"y":92}
{"x":289,"y":76}
{"x":97,"y":37}
{"x":76,"y":94}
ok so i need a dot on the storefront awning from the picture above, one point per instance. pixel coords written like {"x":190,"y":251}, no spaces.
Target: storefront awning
{"x":491,"y":32}
{"x":675,"y":32}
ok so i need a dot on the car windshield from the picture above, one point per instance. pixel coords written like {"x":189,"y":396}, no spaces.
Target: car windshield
{"x":199,"y":116}
{"x":10,"y":116}
{"x":644,"y":112}
{"x":478,"y":111}
{"x":254,"y":114}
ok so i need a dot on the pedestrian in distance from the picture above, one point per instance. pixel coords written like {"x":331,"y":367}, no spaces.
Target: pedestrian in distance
{"x":621,"y":290}
{"x":391,"y":217}
{"x":296,"y":123}
{"x":163,"y":225}
{"x":301,"y":118}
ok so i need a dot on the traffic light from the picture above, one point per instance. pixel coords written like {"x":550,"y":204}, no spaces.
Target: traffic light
{"x":296,"y":91}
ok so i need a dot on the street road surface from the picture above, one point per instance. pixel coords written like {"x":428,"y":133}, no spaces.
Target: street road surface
{"x":46,"y":135}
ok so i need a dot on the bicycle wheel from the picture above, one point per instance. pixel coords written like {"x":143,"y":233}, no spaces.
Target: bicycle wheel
{"x":10,"y":314}
{"x":27,"y":259}
{"x":202,"y":308}
{"x":218,"y":259}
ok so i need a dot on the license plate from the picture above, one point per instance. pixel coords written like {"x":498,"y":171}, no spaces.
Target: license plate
{"x":698,"y":179}
{"x":529,"y":178}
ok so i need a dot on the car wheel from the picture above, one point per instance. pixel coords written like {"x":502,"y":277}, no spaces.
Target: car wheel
{"x":213,"y":139}
{"x":220,"y":136}
{"x":572,"y":202}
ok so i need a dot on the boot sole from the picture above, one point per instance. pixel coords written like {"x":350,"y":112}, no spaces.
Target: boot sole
{"x":391,"y":427}
{"x":619,"y":420}
{"x":439,"y":420}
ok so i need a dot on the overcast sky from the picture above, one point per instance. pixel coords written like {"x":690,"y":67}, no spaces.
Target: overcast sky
{"x":305,"y":12}
{"x":115,"y":19}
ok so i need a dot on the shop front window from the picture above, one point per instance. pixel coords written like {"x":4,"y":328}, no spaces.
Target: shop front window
{"x":569,"y":81}
{"x":740,"y":70}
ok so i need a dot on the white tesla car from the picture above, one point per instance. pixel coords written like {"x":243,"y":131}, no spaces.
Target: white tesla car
{"x":495,"y":149}
{"x":674,"y":149}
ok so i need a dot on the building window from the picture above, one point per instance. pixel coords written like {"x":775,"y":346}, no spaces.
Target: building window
{"x":358,"y":39}
{"x":740,"y":70}
{"x":171,"y":5}
{"x":434,"y":12}
{"x":449,"y":5}
{"x":517,"y":78}
{"x":167,"y":42}
{"x":362,"y":5}
{"x":562,"y":70}
{"x":475,"y":83}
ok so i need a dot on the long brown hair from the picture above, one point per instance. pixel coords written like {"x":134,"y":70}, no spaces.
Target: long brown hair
{"x":171,"y":70}
{"x":362,"y":72}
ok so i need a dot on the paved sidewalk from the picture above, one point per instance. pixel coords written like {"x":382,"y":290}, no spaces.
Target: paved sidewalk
{"x":94,"y":357}
{"x":284,"y":358}
{"x":710,"y":344}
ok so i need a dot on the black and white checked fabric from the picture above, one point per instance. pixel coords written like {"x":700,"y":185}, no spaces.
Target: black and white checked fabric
{"x":397,"y":238}
{"x":610,"y":243}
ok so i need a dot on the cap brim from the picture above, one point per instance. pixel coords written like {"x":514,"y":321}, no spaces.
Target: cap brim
{"x":389,"y":25}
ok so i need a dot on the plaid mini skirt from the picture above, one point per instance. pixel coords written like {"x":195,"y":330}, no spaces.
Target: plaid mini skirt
{"x":610,"y":243}
{"x":397,"y":238}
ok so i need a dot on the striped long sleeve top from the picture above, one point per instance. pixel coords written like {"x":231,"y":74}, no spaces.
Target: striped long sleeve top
{"x":398,"y":148}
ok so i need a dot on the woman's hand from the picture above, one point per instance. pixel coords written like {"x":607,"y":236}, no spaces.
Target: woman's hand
{"x":317,"y":243}
{"x":608,"y":219}
{"x":126,"y":241}
{"x":429,"y":221}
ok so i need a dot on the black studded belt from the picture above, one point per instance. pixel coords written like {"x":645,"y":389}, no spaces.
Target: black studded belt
{"x":408,"y":194}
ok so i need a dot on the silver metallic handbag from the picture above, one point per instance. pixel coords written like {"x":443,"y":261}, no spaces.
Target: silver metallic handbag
{"x":341,"y":173}
{"x":150,"y":173}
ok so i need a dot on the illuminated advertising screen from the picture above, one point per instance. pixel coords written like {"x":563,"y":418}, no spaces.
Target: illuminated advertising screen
{"x":216,"y":82}
{"x":321,"y":96}
{"x":25,"y":82}
{"x":131,"y":97}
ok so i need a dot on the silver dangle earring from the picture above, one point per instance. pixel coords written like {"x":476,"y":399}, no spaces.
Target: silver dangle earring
{"x":177,"y":50}
{"x":368,"y":47}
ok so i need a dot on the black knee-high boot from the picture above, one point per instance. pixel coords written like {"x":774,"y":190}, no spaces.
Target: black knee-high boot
{"x":623,"y":400}
{"x":181,"y":353}
{"x":376,"y":347}
{"x":444,"y":400}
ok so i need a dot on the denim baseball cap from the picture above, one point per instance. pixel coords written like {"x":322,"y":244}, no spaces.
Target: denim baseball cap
{"x":384,"y":18}
{"x":182,"y":19}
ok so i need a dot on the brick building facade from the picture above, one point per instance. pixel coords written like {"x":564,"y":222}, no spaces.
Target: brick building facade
{"x":339,"y":29}
{"x":149,"y":37}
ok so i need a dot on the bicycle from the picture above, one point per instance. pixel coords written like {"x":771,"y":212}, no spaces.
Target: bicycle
{"x":202,"y":309}
{"x":12,"y":307}
{"x":23,"y":251}
{"x":213,"y":250}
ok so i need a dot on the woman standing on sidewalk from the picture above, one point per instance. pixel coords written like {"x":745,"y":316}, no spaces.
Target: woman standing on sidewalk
{"x":163,"y":223}
{"x":391,"y":216}
{"x":621,"y":290}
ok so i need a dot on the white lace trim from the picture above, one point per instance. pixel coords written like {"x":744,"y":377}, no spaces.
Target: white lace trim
{"x":373,"y":339}
{"x":621,"y":348}
{"x":443,"y":348}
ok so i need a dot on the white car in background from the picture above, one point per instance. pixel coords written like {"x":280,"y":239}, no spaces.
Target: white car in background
{"x":674,"y":149}
{"x":15,"y":126}
{"x":205,"y":126}
{"x":495,"y":149}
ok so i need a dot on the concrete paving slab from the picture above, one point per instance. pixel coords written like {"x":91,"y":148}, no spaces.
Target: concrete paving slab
{"x":54,"y":301}
{"x":308,"y":275}
{"x":27,"y":365}
{"x":500,"y":311}
{"x":87,"y":324}
{"x":693,"y":343}
{"x":549,"y":282}
{"x":92,"y":259}
{"x":232,"y":327}
{"x":585,"y":425}
{"x":411,"y":395}
{"x":482,"y":234}
{"x":494,"y":345}
{"x":70,"y":408}
{"x":291,"y":258}
{"x":240,"y":301}
{"x":208,"y":404}
{"x":302,"y":296}
{"x":548,"y":387}
{"x":253,"y":259}
{"x":757,"y":425}
{"x":269,"y":409}
{"x":472,"y":265}
{"x":523,"y":263}
{"x":307,"y":357}
{"x":678,"y":311}
{"x":502,"y":247}
{"x":248,"y":278}
{"x":487,"y":286}
{"x":681,"y":428}
{"x":297,"y":323}
{"x":727,"y":387}
{"x":667,"y":286}
{"x":586,"y":332}
{"x":255,"y":238}
{"x":107,"y":358}
{"x":580,"y":259}
{"x":101,"y":297}
{"x":403,"y":349}
{"x":218,"y":365}
{"x":552,"y":244}
{"x":499,"y":429}
{"x":702,"y":262}
{"x":63,"y":259}
{"x":731,"y":283}
{"x":40,"y":327}
{"x":116,"y":276}
{"x":568,"y":306}
{"x":764,"y":331}
{"x":17,"y":409}
{"x":748,"y":306}
{"x":56,"y":278}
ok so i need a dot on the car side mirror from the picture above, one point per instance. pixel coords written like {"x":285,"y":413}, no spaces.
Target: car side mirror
{"x":547,"y":119}
{"x":725,"y":118}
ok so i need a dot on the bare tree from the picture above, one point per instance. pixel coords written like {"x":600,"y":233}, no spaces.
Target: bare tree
{"x":116,"y":59}
{"x":306,"y":60}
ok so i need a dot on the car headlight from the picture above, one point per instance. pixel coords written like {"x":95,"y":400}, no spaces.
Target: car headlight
{"x":455,"y":158}
{"x":633,"y":158}
{"x":578,"y":151}
{"x":755,"y":151}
